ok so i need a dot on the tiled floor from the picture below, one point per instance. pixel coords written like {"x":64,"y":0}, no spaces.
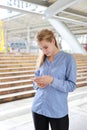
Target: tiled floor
{"x":17,"y":115}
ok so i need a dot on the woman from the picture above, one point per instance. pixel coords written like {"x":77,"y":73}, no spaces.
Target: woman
{"x":55,"y":77}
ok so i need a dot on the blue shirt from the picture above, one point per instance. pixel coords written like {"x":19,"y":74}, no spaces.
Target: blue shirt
{"x":51,"y":101}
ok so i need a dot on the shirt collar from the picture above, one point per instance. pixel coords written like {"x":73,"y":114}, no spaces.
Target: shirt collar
{"x":55,"y":57}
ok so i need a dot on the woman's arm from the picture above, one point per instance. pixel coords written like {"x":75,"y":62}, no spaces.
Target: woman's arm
{"x":37,"y":73}
{"x":69,"y":84}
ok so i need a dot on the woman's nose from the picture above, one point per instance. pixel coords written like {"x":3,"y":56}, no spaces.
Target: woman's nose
{"x":44,"y":51}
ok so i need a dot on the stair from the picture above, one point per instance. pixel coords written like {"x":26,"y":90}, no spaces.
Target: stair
{"x":16,"y":73}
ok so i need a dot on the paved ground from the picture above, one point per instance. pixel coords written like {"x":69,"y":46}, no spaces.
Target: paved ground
{"x":17,"y":115}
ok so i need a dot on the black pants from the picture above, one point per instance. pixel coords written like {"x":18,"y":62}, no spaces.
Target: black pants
{"x":42,"y":122}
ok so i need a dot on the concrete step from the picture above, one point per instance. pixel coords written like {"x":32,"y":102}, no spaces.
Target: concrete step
{"x":81,"y":61}
{"x":84,"y":78}
{"x":82,"y":64}
{"x":16,"y":61}
{"x":15,"y":78}
{"x":2,"y":93}
{"x":24,"y":72}
{"x":16,"y":69}
{"x":17,"y":65}
{"x":15,"y":83}
{"x":81,"y":67}
{"x":82,"y":70}
{"x":17,"y":58}
{"x":82,"y":74}
{"x":15,"y":87}
{"x":81,"y":83}
{"x":20,"y":55}
{"x":16,"y":96}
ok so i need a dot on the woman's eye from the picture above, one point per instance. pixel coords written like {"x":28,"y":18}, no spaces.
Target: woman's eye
{"x":45,"y":47}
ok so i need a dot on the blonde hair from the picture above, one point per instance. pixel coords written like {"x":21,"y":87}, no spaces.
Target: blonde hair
{"x":46,"y":35}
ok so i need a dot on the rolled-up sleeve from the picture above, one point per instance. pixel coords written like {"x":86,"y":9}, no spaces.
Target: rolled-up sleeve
{"x":69,"y":83}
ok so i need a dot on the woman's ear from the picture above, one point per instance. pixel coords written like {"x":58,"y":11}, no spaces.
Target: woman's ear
{"x":53,"y":41}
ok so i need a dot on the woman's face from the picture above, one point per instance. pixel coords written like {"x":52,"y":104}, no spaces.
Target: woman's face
{"x":47,"y":47}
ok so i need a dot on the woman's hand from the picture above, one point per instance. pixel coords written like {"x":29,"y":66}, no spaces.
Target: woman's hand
{"x":43,"y":81}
